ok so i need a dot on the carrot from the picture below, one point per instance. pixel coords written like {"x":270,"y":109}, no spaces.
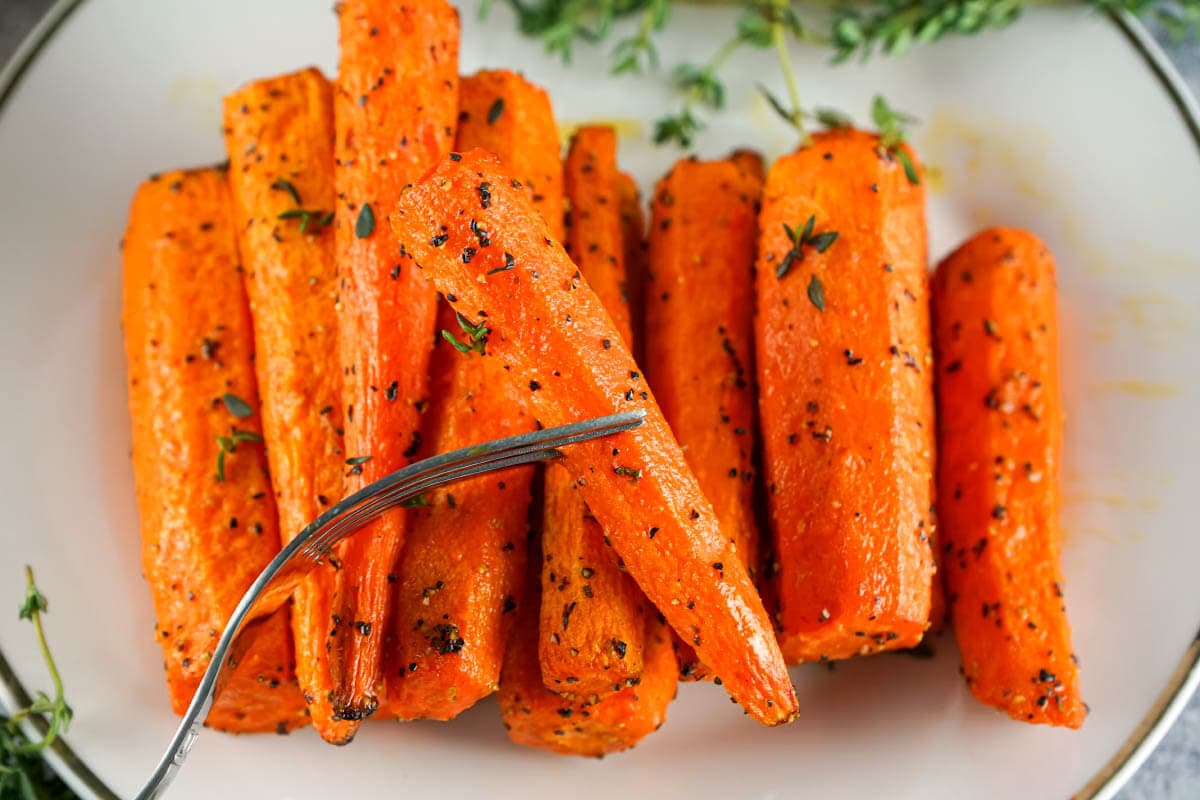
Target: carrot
{"x":463,"y":564}
{"x":563,"y":351}
{"x":592,"y":617}
{"x":595,"y":230}
{"x":592,"y":614}
{"x":501,"y":112}
{"x":279,"y":136}
{"x":751,"y":163}
{"x":394,"y":112}
{"x":637,"y":257}
{"x":844,"y":367}
{"x":1000,"y":439}
{"x":700,"y":337}
{"x":208,"y":516}
{"x":588,"y":726}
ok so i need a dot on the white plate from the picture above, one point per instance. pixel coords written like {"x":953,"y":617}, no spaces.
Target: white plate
{"x":1061,"y":124}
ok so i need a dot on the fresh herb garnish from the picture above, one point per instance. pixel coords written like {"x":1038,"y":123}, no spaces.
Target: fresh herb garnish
{"x":891,"y":27}
{"x":364,"y":226}
{"x":890,"y":123}
{"x":816,"y":293}
{"x":496,"y":109}
{"x":236,"y":405}
{"x":228,"y":444}
{"x":354,"y":462}
{"x":286,"y":186}
{"x":863,"y":28}
{"x":419,"y":501}
{"x":637,"y":54}
{"x":23,"y":774}
{"x":476,"y":336}
{"x":805,"y":237}
{"x":306,"y":216}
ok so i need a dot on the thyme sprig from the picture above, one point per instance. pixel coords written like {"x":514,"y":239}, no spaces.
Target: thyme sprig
{"x":22,"y":772}
{"x":862,"y":29}
{"x":323,"y":219}
{"x":476,"y":336}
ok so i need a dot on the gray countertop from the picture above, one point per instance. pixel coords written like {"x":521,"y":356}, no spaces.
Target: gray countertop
{"x":1173,"y":770}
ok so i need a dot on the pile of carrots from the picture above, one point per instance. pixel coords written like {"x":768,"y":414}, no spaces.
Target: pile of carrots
{"x":399,"y":263}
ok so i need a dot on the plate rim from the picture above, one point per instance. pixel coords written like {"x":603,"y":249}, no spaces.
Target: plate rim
{"x":1116,"y":772}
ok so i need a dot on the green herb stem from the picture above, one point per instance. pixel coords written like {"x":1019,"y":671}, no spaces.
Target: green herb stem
{"x":56,"y":719}
{"x":779,"y":40}
{"x":57,"y":709}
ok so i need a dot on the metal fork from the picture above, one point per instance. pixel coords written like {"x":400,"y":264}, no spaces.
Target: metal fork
{"x":274,"y":586}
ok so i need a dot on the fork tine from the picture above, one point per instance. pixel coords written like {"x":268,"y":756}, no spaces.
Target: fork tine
{"x":452,"y":466}
{"x":398,"y":495}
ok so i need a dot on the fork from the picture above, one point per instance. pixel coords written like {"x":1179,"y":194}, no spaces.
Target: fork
{"x":272,"y":588}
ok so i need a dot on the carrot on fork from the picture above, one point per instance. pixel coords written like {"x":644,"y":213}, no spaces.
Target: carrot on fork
{"x":395,"y":109}
{"x":528,"y":308}
{"x":1000,"y":438}
{"x":279,"y":137}
{"x":592,"y":617}
{"x":845,"y":396}
{"x":700,"y":337}
{"x":463,"y":565}
{"x":208,"y":516}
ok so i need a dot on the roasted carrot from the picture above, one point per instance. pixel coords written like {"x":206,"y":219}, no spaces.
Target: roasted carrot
{"x":637,"y":257}
{"x":592,"y":613}
{"x":208,"y":516}
{"x":395,"y":109}
{"x":581,"y":725}
{"x":1000,"y":442}
{"x":501,"y":112}
{"x":592,"y":618}
{"x":700,"y":337}
{"x":279,"y":137}
{"x":595,"y":228}
{"x":751,"y":163}
{"x":463,"y":564}
{"x":845,"y":395}
{"x":563,"y":351}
